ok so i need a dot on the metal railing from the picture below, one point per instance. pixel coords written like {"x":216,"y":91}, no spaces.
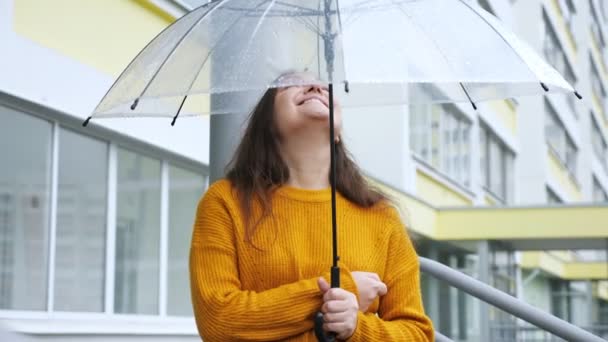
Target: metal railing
{"x":507,"y":303}
{"x":530,"y":333}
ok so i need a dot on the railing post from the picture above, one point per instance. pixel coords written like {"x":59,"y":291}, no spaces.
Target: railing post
{"x":483,"y":274}
{"x":434,"y":294}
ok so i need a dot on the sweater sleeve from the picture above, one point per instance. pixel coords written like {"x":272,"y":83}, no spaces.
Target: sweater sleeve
{"x":401,"y":315}
{"x":223,"y":310}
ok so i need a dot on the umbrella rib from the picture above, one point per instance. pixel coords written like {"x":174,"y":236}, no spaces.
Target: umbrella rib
{"x":447,"y":61}
{"x":198,"y":21}
{"x":504,"y":39}
{"x":255,"y":30}
{"x":86,"y":122}
{"x":207,"y":58}
{"x":468,"y":95}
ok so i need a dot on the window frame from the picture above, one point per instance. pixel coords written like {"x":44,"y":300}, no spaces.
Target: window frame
{"x":60,"y":120}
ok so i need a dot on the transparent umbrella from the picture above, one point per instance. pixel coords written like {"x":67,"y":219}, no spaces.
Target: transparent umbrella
{"x":399,"y":51}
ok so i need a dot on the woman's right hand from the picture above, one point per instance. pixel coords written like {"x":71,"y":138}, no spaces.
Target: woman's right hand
{"x":369,"y":287}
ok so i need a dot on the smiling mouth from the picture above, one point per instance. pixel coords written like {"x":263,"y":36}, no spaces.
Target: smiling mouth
{"x":313,"y":99}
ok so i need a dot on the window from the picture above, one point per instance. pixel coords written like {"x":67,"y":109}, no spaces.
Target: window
{"x":137,"y":234}
{"x":82,"y":175}
{"x":568,"y":12}
{"x":185,"y":190}
{"x":81,"y":223}
{"x":603,"y":10}
{"x":441,"y":138}
{"x":559,"y":140}
{"x":496,"y":164}
{"x":602,"y":312}
{"x":596,"y":26}
{"x":25,"y":186}
{"x":554,"y":52}
{"x":600,"y":147}
{"x":599,"y":194}
{"x":596,"y":84}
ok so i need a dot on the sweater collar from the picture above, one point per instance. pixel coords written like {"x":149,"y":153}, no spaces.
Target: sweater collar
{"x":305,"y":195}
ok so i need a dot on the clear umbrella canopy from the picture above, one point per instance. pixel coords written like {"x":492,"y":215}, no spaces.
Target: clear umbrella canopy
{"x":387,"y":51}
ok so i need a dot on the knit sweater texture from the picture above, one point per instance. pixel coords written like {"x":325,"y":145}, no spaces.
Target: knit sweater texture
{"x":266,"y":289}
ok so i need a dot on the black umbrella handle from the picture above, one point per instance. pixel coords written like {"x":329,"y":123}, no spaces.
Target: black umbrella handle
{"x":319,"y":332}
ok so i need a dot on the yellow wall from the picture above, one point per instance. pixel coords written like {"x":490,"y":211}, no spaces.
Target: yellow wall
{"x":522,"y":223}
{"x":543,"y":261}
{"x":418,"y":216}
{"x":602,"y":290}
{"x":437,"y":193}
{"x":489,"y":201}
{"x":105,"y":34}
{"x":559,"y":173}
{"x":554,"y":265}
{"x":585,"y":270}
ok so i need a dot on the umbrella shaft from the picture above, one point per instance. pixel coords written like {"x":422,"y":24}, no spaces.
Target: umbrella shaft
{"x":333,"y":176}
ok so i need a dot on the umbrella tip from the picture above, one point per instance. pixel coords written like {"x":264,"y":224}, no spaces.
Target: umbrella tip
{"x":544,"y":86}
{"x":474,"y":105}
{"x":578,"y":95}
{"x":135,"y":103}
{"x":173,"y":121}
{"x":346,"y":87}
{"x":86,"y":122}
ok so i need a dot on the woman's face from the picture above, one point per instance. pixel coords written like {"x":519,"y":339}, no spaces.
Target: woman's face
{"x":302,"y":108}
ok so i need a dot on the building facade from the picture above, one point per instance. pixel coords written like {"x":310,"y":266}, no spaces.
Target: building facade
{"x":95,"y":223}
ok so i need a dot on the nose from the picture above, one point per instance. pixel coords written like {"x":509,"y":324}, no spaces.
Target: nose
{"x":315,"y":88}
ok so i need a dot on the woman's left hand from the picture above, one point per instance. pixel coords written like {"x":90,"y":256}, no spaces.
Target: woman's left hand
{"x":340,"y":308}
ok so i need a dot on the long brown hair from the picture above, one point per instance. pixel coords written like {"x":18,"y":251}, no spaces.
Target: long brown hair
{"x":257,"y":168}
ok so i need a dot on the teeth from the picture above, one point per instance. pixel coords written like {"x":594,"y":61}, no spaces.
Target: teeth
{"x":313,"y":99}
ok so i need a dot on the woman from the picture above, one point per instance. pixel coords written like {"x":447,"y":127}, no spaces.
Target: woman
{"x":259,"y":260}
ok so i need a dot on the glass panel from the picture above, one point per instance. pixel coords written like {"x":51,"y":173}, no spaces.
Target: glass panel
{"x":571,"y":153}
{"x":137,"y":234}
{"x":496,"y":169}
{"x":554,"y":52}
{"x":599,"y":195}
{"x":185,"y":190}
{"x":440,"y":135}
{"x":446,"y":142}
{"x":465,"y":152}
{"x":600,"y":147}
{"x":25,"y":149}
{"x":483,"y":155}
{"x":554,"y":132}
{"x":509,"y":176}
{"x":435,"y":136}
{"x":81,"y":223}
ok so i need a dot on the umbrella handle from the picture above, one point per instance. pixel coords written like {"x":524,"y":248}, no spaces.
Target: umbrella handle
{"x":321,"y":336}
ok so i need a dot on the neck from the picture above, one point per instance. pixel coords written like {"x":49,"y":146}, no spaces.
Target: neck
{"x":308,"y":161}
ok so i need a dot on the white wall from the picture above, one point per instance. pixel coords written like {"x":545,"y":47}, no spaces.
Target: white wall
{"x":43,"y":76}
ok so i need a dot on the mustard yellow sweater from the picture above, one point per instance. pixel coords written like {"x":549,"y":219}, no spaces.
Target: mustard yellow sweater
{"x":241,"y":293}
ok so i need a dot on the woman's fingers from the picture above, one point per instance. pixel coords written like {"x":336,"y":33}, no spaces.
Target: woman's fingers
{"x":382,"y":289}
{"x":335,"y":306}
{"x":337,"y":294}
{"x":340,"y":309}
{"x":333,"y":317}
